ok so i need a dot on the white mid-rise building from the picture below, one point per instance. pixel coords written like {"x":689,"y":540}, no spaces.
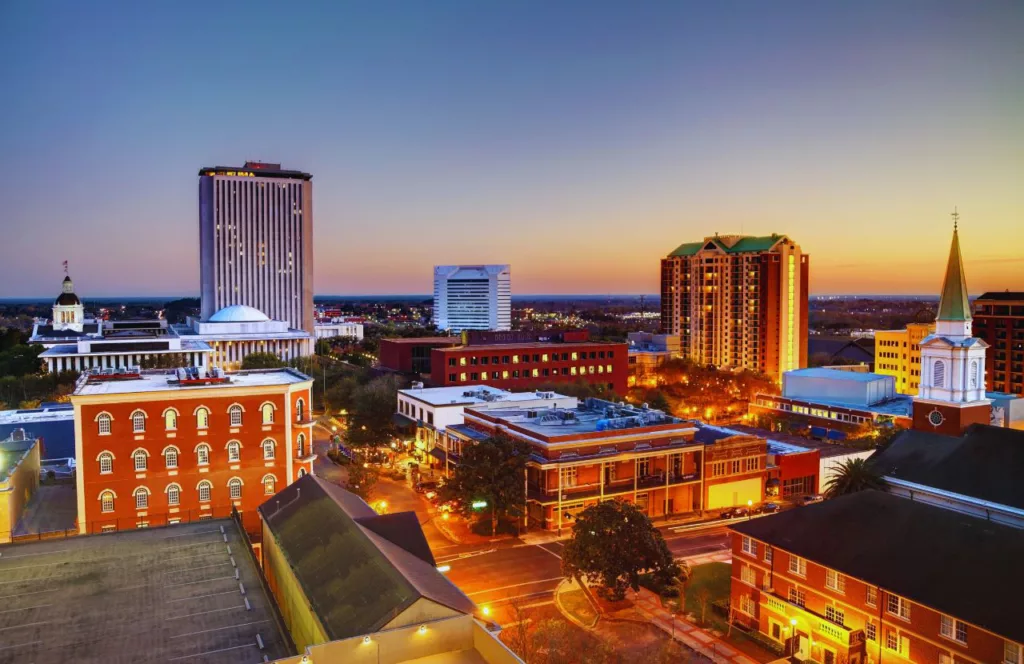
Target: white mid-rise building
{"x":339,"y":327}
{"x":473,"y":297}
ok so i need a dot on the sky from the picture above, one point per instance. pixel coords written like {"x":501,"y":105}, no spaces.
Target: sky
{"x":578,"y":141}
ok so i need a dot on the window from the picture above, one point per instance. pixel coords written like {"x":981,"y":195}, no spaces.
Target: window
{"x":302,"y":472}
{"x":140,"y":456}
{"x":235,"y":415}
{"x":896,"y":642}
{"x":835,"y":581}
{"x":898,"y":606}
{"x":975,"y":374}
{"x":269,"y":481}
{"x":171,"y":457}
{"x":939,"y":374}
{"x":1011,"y":653}
{"x":797,"y":596}
{"x":746,"y":605}
{"x":767,"y":554}
{"x":205,"y":489}
{"x":871,"y":596}
{"x":951,"y":628}
{"x":835,"y":615}
{"x":749,"y":546}
{"x":234,"y":451}
{"x":300,"y":445}
{"x":235,"y":488}
{"x":103,"y":424}
{"x":300,"y":410}
{"x":944,"y":658}
{"x":203,"y":454}
{"x":748,"y":575}
{"x":797,"y":565}
{"x":107,"y":501}
{"x":202,"y":418}
{"x":173,"y":495}
{"x":106,"y":460}
{"x":138,"y":421}
{"x":141,"y":498}
{"x":267,"y":411}
{"x":870,"y":631}
{"x":268,"y":449}
{"x":569,"y":476}
{"x":170,"y":419}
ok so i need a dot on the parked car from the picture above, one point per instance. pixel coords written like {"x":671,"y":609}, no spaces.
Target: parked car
{"x":815,"y":498}
{"x":423,"y":487}
{"x":735,"y":512}
{"x":767,"y":508}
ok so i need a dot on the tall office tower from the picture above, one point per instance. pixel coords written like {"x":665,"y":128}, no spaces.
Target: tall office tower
{"x":738,"y":302}
{"x":999,"y":322}
{"x":473,"y":297}
{"x":256,"y":241}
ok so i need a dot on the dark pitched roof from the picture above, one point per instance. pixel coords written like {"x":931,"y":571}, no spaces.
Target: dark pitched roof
{"x":859,"y":350}
{"x":957,"y":564}
{"x":357,"y":569}
{"x":986,"y":462}
{"x":1002,"y":295}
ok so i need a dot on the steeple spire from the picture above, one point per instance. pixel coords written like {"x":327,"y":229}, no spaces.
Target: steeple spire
{"x":953,"y":304}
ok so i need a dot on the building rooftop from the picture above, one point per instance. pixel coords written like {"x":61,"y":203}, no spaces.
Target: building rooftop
{"x":592,"y":416}
{"x":825,"y":449}
{"x":985,"y":463}
{"x":128,"y":346}
{"x":12,"y":451}
{"x":483,"y":349}
{"x":466,"y":395}
{"x":730,"y":244}
{"x":54,"y":424}
{"x":951,"y":562}
{"x":424,"y":340}
{"x":162,"y":595}
{"x":1001,"y":295}
{"x":255,"y":169}
{"x":832,"y":374}
{"x":163,"y":380}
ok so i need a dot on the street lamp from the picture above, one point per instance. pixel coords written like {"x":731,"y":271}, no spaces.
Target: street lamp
{"x":750,"y":508}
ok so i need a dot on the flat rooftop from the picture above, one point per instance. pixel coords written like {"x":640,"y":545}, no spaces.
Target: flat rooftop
{"x":57,"y":413}
{"x":466,"y":395}
{"x":423,"y":340}
{"x":158,"y":380}
{"x":594,"y":415}
{"x":549,"y":345}
{"x":161,"y":595}
{"x":834,"y":374}
{"x":784,"y":441}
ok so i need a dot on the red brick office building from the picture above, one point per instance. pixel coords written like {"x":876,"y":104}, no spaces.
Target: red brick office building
{"x":412,"y":355}
{"x":159,"y":448}
{"x":524,"y":360}
{"x":999,"y":321}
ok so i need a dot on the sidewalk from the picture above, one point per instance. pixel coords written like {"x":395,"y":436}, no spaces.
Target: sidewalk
{"x":649,"y":605}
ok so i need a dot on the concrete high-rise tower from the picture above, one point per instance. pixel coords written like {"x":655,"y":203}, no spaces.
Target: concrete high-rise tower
{"x":256,"y":241}
{"x":473,"y":297}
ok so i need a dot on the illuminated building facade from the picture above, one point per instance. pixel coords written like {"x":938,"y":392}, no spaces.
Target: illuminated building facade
{"x":999,"y":321}
{"x":256,"y":241}
{"x":738,"y":302}
{"x":172,"y":447}
{"x":898,"y":354}
{"x":236,"y":331}
{"x":473,"y":297}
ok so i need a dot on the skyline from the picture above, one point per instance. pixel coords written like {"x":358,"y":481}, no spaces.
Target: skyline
{"x":578,"y":147}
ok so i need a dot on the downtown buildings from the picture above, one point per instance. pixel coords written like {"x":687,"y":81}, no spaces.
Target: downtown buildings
{"x":738,"y":302}
{"x":999,"y":321}
{"x":256,"y":241}
{"x":898,"y":354}
{"x":473,"y":297}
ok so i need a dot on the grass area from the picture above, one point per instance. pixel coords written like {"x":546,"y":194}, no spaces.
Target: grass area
{"x":579,"y":606}
{"x":716,"y":578}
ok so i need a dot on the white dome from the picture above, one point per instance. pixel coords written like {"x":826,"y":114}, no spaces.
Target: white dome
{"x":239,"y":313}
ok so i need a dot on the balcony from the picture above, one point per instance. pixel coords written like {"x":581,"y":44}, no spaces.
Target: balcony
{"x":613,"y":488}
{"x":809,"y":621}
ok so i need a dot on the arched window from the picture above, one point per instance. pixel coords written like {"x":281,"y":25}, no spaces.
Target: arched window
{"x":302,"y":472}
{"x":170,"y":419}
{"x":267,"y":411}
{"x":300,"y":444}
{"x":235,"y":488}
{"x":107,"y":501}
{"x":139,"y":421}
{"x":205,"y":489}
{"x":173,"y":492}
{"x":300,"y":410}
{"x":203,"y":454}
{"x":975,"y":374}
{"x":103,"y":424}
{"x":269,"y":484}
{"x":939,"y":374}
{"x":140,"y":458}
{"x":202,"y":418}
{"x":106,"y":460}
{"x":171,"y":456}
{"x":235,"y":415}
{"x":141,"y":498}
{"x":234,"y":451}
{"x":268,"y":448}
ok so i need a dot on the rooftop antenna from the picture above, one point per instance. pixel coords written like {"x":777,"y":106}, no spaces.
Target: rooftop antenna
{"x":955,"y":215}
{"x":65,"y":268}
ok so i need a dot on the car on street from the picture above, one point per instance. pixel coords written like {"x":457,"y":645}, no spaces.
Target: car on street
{"x":767,"y":508}
{"x":814,"y":498}
{"x":424,"y":487}
{"x":734,"y":513}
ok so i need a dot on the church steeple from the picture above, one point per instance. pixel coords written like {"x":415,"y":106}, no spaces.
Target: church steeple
{"x":953,"y":304}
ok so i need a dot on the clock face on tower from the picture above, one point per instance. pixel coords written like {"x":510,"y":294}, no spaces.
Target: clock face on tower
{"x":935,"y":418}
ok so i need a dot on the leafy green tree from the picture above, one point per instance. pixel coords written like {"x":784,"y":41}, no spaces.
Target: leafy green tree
{"x":262,"y":361}
{"x":613,"y":543}
{"x":323,"y":347}
{"x":370,"y":417}
{"x":362,"y":479}
{"x":656,"y":399}
{"x":493,"y":470}
{"x":21,"y":360}
{"x":854,"y":475}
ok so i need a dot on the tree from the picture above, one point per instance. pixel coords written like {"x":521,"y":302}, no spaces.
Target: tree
{"x":703,"y":599}
{"x":323,"y":347}
{"x":370,"y":417}
{"x":680,"y":583}
{"x":854,"y":475}
{"x":362,"y":479}
{"x":656,"y":399}
{"x":493,"y":471}
{"x":614,"y":543}
{"x":262,"y":361}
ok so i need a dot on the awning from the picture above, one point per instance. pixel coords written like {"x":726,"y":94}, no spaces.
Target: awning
{"x":438,"y":453}
{"x":400,"y":420}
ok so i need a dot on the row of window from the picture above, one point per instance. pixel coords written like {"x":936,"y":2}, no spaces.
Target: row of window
{"x":525,"y":359}
{"x":528,"y":373}
{"x":812,"y":412}
{"x":104,"y":421}
{"x":204,"y":490}
{"x":735,"y":466}
{"x":140,"y":457}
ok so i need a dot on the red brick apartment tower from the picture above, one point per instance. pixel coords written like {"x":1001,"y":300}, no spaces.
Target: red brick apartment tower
{"x":738,"y":301}
{"x":951,"y":396}
{"x":154,"y":449}
{"x":999,"y":321}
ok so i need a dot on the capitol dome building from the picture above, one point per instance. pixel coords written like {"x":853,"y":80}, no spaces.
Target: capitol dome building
{"x":238,"y":330}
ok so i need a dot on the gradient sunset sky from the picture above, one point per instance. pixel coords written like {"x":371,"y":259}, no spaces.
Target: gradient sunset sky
{"x":578,"y":141}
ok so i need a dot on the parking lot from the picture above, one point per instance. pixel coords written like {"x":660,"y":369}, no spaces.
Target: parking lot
{"x":161,"y":595}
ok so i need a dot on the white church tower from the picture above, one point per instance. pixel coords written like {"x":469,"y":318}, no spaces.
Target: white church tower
{"x":68,"y":312}
{"x":952,"y":390}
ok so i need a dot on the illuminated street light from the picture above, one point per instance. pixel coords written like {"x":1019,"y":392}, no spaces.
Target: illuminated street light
{"x":486,"y":610}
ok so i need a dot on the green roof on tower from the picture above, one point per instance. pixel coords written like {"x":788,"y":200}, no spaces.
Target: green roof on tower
{"x":741,"y":245}
{"x":953,"y":304}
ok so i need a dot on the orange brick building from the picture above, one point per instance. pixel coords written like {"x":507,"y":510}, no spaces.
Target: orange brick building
{"x":160,"y":448}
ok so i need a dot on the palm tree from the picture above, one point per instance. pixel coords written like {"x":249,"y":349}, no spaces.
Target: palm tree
{"x":854,"y":475}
